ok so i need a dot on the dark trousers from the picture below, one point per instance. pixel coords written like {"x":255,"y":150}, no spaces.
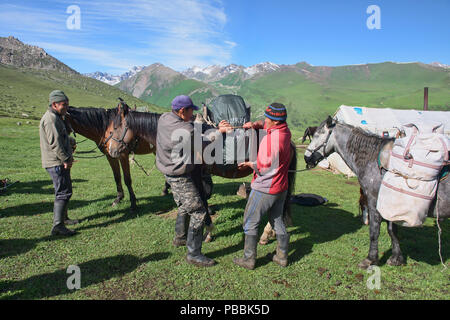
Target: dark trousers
{"x":260,"y":203}
{"x":61,"y":182}
{"x":204,"y":185}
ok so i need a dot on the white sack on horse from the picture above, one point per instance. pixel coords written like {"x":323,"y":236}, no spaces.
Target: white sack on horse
{"x":410,"y":185}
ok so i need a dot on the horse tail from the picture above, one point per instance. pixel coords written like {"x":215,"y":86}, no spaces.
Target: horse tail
{"x":291,"y":186}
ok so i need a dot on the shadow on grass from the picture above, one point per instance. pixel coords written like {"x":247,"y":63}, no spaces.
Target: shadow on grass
{"x":322,"y":223}
{"x":13,"y":247}
{"x":35,"y":187}
{"x":31,"y":209}
{"x":152,"y":205}
{"x":421,"y":244}
{"x":92,"y":272}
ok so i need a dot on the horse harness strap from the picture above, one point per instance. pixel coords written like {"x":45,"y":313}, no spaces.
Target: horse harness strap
{"x":121,"y":138}
{"x":130,"y":146}
{"x":324,"y":144}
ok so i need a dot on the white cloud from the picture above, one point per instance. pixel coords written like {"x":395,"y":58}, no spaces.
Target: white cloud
{"x":18,"y":18}
{"x":231,"y":43}
{"x":177,"y":33}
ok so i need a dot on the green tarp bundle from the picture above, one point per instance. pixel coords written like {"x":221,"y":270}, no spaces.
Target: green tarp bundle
{"x":233,"y":109}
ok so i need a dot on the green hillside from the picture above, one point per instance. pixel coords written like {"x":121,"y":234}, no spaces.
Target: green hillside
{"x":311,"y":97}
{"x":25,"y":92}
{"x":197,"y":90}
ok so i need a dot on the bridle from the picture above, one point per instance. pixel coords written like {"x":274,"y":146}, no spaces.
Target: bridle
{"x":129,"y":146}
{"x":120,"y":141}
{"x":323,"y":145}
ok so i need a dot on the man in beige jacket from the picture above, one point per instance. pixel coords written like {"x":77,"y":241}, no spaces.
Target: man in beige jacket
{"x":56,"y":154}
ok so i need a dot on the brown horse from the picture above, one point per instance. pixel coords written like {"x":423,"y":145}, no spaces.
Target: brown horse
{"x":95,"y":124}
{"x":134,"y":126}
{"x":309,"y":133}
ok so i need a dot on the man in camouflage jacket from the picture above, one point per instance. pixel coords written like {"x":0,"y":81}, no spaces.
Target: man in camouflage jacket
{"x":179,"y":172}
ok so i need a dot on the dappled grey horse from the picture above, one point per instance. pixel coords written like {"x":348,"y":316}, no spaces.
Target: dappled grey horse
{"x":360,"y":150}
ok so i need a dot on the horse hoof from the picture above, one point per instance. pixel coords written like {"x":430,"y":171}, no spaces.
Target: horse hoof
{"x":116,"y":202}
{"x":366,"y":263}
{"x":396,"y":261}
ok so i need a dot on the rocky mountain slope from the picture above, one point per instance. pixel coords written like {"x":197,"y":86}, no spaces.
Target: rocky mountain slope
{"x":15,"y":53}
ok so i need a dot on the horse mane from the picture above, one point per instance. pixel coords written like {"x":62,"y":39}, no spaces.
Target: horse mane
{"x":96,"y":118}
{"x":142,"y":123}
{"x":363,"y":145}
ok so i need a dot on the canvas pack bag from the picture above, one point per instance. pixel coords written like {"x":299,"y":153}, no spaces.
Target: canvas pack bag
{"x":410,"y":185}
{"x":233,"y":109}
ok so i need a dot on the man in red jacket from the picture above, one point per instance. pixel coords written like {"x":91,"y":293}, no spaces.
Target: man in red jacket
{"x":269,"y":185}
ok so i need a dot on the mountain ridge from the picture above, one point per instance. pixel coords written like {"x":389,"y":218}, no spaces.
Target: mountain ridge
{"x":14,"y":52}
{"x":28,"y":74}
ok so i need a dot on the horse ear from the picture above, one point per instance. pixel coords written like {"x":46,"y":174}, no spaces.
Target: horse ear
{"x":329,"y":121}
{"x":126,"y":109}
{"x":123,"y":107}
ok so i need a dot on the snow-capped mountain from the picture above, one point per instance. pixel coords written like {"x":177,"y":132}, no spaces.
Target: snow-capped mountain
{"x":104,"y":77}
{"x":114,"y":79}
{"x":216,"y":72}
{"x":261,"y":67}
{"x":440,"y":65}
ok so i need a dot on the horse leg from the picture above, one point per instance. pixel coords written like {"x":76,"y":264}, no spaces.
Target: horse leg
{"x":396,"y":258}
{"x":166,"y":188}
{"x":288,"y":216}
{"x":268,"y":233}
{"x":374,"y":226}
{"x":114,"y":163}
{"x":124,"y":161}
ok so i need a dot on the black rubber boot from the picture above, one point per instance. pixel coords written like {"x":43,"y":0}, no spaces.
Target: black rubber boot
{"x":249,"y":259}
{"x":281,"y":255}
{"x":58,"y":220}
{"x":194,"y":246}
{"x":181,"y":226}
{"x":67,"y":220}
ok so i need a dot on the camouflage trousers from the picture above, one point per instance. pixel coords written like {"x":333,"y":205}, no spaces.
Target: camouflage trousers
{"x":188,"y":199}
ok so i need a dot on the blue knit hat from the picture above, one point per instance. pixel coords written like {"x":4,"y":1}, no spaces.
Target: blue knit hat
{"x":276,"y":111}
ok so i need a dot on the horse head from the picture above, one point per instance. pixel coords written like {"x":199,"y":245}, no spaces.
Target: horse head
{"x":320,"y":146}
{"x":67,"y":119}
{"x":118,"y":138}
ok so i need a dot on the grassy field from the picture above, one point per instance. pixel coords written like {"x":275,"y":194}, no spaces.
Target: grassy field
{"x":130,"y":256}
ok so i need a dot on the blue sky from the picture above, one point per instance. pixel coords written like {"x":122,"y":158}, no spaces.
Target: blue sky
{"x":116,"y":35}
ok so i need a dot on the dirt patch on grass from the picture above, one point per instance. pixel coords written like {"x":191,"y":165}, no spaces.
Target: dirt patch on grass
{"x":125,"y":291}
{"x":168,"y":215}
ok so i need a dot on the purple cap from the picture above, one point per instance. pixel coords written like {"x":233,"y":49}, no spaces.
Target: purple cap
{"x":183,"y":102}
